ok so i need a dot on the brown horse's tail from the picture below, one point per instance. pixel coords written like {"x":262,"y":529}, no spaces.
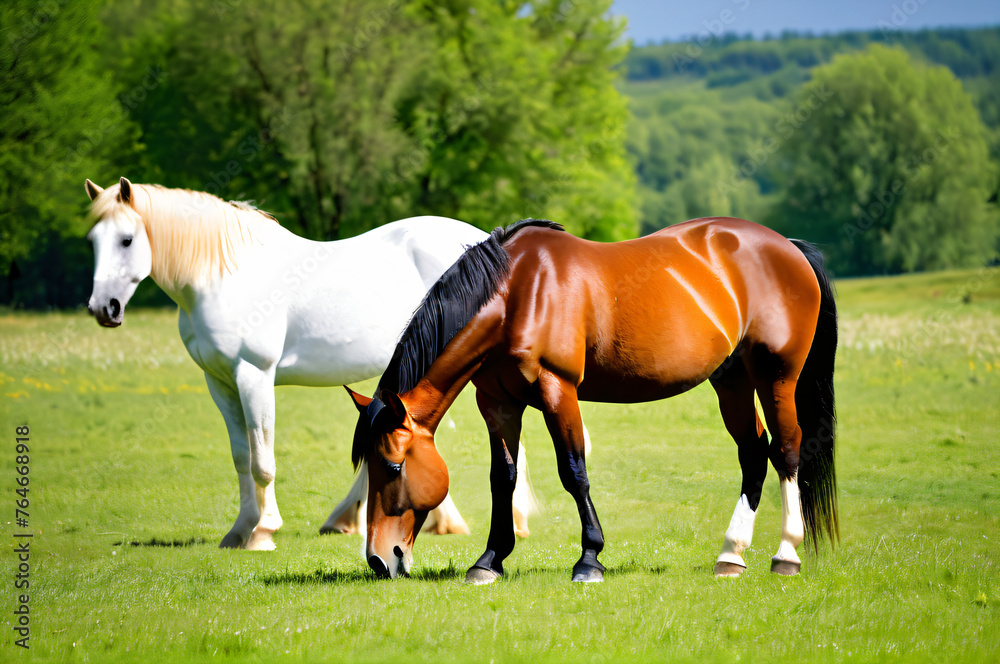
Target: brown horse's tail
{"x":814,"y":404}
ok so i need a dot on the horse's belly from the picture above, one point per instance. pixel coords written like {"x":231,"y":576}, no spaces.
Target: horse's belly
{"x":651,"y":368}
{"x":320,"y":364}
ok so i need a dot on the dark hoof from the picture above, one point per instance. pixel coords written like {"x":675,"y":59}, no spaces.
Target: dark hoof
{"x":379,"y":567}
{"x":480,"y":576}
{"x":727,"y":570}
{"x":588,"y":569}
{"x":588,"y":574}
{"x":785,"y":567}
{"x":232,"y":541}
{"x":337,"y":530}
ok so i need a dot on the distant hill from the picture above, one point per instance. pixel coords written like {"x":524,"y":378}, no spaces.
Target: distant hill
{"x":729,"y":59}
{"x":701,"y":109}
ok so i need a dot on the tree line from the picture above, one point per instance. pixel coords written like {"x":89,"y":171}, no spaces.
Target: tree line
{"x":339,"y":117}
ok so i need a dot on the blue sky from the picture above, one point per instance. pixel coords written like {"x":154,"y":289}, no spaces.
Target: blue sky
{"x":651,"y":20}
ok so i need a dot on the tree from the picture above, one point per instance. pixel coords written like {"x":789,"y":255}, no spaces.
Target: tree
{"x":892,"y":171}
{"x":373,"y":111}
{"x":62,"y":122}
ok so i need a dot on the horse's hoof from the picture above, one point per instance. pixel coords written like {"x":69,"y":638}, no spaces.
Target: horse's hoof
{"x":231,"y":541}
{"x":588,"y":574}
{"x":728,"y":570}
{"x":337,"y":529}
{"x":480,"y":576}
{"x":261,"y":540}
{"x":785,"y":567}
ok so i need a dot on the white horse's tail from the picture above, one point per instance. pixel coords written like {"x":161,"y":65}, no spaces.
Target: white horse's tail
{"x":349,"y":516}
{"x":524,"y":502}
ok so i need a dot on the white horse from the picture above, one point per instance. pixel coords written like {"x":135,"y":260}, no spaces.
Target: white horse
{"x":260,"y":306}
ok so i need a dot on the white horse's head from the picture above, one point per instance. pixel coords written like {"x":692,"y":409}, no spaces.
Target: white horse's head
{"x":122,"y":253}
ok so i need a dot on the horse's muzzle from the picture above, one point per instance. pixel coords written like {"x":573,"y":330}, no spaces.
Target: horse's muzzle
{"x":109,"y":316}
{"x":383,"y":571}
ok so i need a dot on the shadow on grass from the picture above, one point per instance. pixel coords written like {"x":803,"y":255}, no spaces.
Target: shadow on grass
{"x":164,"y":543}
{"x":357,"y":576}
{"x":610,"y":571}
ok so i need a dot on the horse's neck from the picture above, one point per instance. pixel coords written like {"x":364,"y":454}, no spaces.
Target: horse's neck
{"x":238,"y":247}
{"x":454,"y":368}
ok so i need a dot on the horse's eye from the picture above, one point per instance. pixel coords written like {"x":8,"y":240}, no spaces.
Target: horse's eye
{"x":393,"y":469}
{"x":126,"y":242}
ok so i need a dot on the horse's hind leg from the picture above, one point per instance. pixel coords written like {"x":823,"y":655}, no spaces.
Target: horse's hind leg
{"x":228,"y":401}
{"x":735,"y":391}
{"x":777,"y":399}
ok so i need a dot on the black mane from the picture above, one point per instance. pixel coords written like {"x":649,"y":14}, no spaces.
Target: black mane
{"x":452,"y":301}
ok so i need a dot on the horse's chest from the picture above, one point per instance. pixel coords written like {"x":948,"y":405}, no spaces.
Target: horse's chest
{"x":215,"y":354}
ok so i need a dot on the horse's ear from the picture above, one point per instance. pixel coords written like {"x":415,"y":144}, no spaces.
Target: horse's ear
{"x":125,"y":193}
{"x":93,"y":191}
{"x":394,"y":408}
{"x":360,"y":401}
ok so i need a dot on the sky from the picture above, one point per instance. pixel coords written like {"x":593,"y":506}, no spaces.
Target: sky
{"x":676,"y":20}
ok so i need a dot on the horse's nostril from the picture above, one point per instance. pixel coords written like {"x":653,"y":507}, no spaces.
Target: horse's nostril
{"x":379,"y":567}
{"x":396,"y":551}
{"x":116,"y":308}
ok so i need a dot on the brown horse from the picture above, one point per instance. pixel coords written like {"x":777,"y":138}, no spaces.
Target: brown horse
{"x":536,"y":317}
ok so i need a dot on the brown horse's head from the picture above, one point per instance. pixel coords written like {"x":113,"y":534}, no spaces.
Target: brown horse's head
{"x":407,"y":478}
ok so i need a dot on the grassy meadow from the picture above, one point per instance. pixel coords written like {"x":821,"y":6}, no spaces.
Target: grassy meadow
{"x":132,"y":487}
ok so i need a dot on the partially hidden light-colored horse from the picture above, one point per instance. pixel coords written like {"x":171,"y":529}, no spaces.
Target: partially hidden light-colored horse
{"x":260,"y":306}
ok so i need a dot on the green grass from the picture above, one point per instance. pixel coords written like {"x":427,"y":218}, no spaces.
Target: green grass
{"x":129,"y":453}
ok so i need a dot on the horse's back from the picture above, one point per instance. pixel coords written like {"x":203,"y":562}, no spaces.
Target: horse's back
{"x":651,"y":317}
{"x":350,"y":312}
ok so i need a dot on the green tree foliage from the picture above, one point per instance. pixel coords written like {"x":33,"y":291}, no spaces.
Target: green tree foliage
{"x":343,"y":116}
{"x":61,"y":118}
{"x":892,"y":173}
{"x":692,"y":154}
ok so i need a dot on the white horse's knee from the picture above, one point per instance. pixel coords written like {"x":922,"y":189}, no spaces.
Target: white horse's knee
{"x":263,"y":473}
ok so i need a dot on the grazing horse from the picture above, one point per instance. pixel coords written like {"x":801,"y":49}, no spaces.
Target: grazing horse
{"x":536,"y":317}
{"x":260,"y":306}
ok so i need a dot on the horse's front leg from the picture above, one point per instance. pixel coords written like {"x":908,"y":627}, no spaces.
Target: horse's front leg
{"x":562,"y":417}
{"x":256,"y":388}
{"x":227,"y":399}
{"x":503,"y":419}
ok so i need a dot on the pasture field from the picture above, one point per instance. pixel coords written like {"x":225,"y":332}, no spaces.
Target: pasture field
{"x":132,"y":487}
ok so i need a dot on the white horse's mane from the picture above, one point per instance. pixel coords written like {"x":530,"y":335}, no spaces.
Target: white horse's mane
{"x":194,"y":236}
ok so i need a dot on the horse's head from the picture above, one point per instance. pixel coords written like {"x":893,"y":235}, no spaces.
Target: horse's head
{"x":407,"y":478}
{"x":122,"y":254}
